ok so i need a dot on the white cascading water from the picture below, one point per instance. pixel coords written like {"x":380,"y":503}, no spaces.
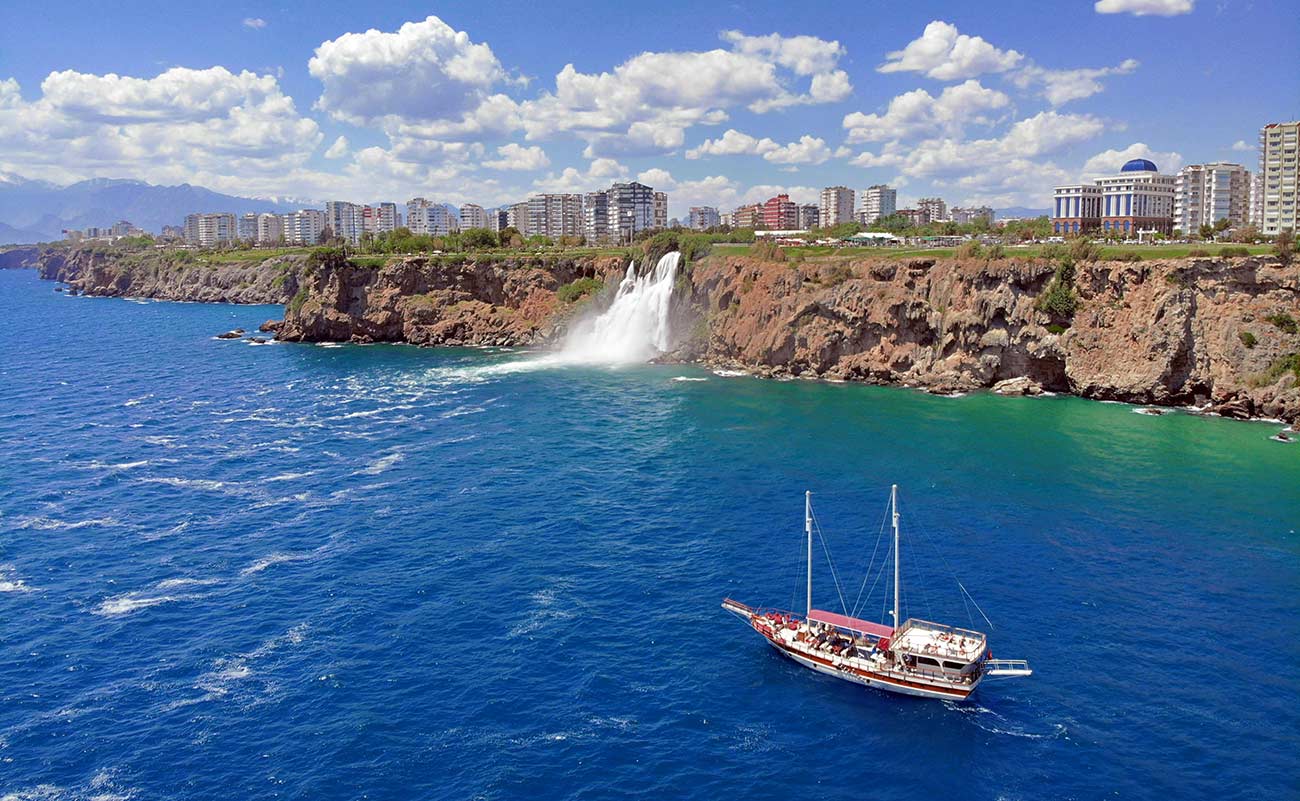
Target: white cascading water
{"x":635,"y":326}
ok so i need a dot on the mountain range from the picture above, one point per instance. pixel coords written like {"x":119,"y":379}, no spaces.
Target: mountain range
{"x":36,"y":211}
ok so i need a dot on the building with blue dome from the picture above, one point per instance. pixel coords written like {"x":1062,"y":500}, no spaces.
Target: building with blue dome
{"x":1138,"y":199}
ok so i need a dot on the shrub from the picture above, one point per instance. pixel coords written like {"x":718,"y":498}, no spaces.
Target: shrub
{"x":1285,"y":322}
{"x":296,"y":302}
{"x":1234,"y":252}
{"x":1247,"y":339}
{"x":1056,"y":329}
{"x":579,"y":289}
{"x":837,"y":274}
{"x":1286,"y":364}
{"x":1198,"y":253}
{"x":996,"y":252}
{"x":1127,"y":255}
{"x":969,"y":250}
{"x":1059,"y":299}
{"x":767,"y":250}
{"x":1084,"y":249}
{"x":1284,"y":246}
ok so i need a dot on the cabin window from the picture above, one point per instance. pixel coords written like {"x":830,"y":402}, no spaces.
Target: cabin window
{"x":925,"y":660}
{"x":953,"y":665}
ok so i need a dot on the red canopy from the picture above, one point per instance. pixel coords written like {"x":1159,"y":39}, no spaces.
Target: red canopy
{"x":852,"y":623}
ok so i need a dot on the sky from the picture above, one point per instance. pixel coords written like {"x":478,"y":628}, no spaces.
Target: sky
{"x":718,"y":104}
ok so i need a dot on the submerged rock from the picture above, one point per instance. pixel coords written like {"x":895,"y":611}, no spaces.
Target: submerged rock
{"x":237,"y":334}
{"x":1023,"y":385}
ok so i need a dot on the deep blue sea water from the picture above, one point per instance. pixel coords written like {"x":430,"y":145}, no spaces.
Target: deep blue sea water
{"x":292,"y":571}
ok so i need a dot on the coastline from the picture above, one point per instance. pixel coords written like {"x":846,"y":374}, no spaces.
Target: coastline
{"x":1160,"y":334}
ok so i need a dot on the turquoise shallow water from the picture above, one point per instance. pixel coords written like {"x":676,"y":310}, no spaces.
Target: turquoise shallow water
{"x":283,"y":571}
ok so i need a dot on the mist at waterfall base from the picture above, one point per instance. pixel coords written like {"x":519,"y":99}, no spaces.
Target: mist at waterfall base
{"x":344,"y":572}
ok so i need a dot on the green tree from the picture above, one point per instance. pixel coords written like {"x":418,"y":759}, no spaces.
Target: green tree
{"x":1284,"y":246}
{"x":472,"y":238}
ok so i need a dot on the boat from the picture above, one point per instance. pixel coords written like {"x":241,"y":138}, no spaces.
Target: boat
{"x":912,"y":656}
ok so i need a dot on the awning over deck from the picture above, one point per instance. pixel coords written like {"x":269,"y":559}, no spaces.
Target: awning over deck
{"x":851,"y":623}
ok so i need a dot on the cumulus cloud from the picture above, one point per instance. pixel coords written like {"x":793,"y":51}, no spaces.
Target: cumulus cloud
{"x":732,"y":143}
{"x":1062,"y":86}
{"x":1241,"y":146}
{"x":518,"y":157}
{"x":945,"y":54}
{"x":600,"y":173}
{"x":256,"y":23}
{"x":1142,"y":8}
{"x":919,"y":114}
{"x":808,"y":150}
{"x":424,"y":72}
{"x":1108,"y":162}
{"x":176,"y":126}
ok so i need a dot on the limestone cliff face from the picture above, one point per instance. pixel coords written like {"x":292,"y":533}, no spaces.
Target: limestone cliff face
{"x":186,"y":277}
{"x":19,"y":257}
{"x":1146,"y":332}
{"x":438,"y":302}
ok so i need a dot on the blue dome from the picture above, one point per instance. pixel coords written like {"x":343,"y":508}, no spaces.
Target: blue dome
{"x":1139,"y":165}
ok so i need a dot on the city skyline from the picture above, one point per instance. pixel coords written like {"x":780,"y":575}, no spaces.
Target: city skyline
{"x":715,"y":110}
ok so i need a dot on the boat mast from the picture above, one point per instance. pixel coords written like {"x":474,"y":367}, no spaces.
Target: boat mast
{"x":893,"y":506}
{"x":807,"y":525}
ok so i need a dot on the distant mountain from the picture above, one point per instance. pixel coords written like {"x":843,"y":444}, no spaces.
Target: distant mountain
{"x":37,"y":210}
{"x":10,"y":235}
{"x":1020,"y":211}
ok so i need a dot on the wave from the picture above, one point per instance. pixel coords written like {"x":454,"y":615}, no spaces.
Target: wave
{"x":688,"y":378}
{"x":730,"y":373}
{"x":275,"y":559}
{"x":53,"y":524}
{"x":290,"y":476}
{"x":8,"y":583}
{"x":130,"y":602}
{"x":381,"y":464}
{"x":993,"y":723}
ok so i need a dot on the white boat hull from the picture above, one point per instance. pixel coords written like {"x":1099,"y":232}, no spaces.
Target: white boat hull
{"x":870,"y":680}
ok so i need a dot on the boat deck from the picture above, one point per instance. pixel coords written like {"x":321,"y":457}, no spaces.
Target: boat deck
{"x":922,"y":638}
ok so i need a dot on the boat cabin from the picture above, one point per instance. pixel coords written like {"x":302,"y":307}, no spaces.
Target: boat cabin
{"x":934,"y":646}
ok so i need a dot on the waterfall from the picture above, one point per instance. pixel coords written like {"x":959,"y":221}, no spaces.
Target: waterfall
{"x":635,"y":326}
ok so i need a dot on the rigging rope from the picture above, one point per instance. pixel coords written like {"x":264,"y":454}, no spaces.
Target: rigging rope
{"x":866,"y":574}
{"x":827,"y":549}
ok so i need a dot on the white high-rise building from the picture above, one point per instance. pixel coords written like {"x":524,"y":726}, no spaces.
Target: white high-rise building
{"x":704,"y":217}
{"x":596,"y":216}
{"x":1279,"y":176}
{"x":1207,"y":193}
{"x":345,"y":220}
{"x":428,"y":218}
{"x":472,"y":216}
{"x":878,"y":201}
{"x":517,"y":217}
{"x":555,"y":215}
{"x":836,"y":206}
{"x":965,"y":216}
{"x":209,"y":230}
{"x":303,"y":227}
{"x":270,"y":229}
{"x":248,"y":228}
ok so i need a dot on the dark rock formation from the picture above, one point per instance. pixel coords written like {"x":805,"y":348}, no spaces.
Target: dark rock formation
{"x":170,"y":275}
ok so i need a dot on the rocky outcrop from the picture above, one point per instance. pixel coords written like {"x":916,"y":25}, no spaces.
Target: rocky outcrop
{"x":1172,"y":332}
{"x":172,"y":275}
{"x":449,"y":301}
{"x":19,"y":256}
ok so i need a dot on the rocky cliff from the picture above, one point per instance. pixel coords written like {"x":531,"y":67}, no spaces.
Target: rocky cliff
{"x":171,"y":275}
{"x":447,"y":301}
{"x":19,"y":256}
{"x":1180,"y":332}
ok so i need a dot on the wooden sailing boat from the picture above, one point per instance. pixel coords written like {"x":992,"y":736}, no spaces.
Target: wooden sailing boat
{"x":914,"y":657}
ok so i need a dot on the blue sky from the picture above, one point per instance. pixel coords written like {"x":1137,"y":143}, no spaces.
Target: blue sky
{"x":717,"y":103}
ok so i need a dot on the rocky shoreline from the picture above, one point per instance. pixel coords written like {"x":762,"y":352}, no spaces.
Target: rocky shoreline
{"x":1206,"y":333}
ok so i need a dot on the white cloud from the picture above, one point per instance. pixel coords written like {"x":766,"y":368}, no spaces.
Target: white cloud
{"x":732,"y":143}
{"x":1241,"y":146}
{"x":172,"y":127}
{"x":804,"y":55}
{"x":518,"y":157}
{"x":256,"y":23}
{"x":424,"y":72}
{"x":808,"y":150}
{"x":917,"y":113}
{"x":339,"y":149}
{"x":1062,"y":86}
{"x":600,"y":173}
{"x":1141,"y":8}
{"x":942,"y":53}
{"x":1108,"y":162}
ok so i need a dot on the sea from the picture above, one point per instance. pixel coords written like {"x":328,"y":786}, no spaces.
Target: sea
{"x":293,"y":571}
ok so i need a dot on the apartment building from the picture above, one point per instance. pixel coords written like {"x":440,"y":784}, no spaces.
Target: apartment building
{"x":780,"y":214}
{"x":810,"y":216}
{"x":517,"y":217}
{"x":934,"y":207}
{"x":660,"y":220}
{"x":209,"y":230}
{"x":836,"y":206}
{"x":1278,"y":177}
{"x":1207,"y":193}
{"x":426,"y":217}
{"x":472,"y":216}
{"x":345,"y":220}
{"x":703,"y":217}
{"x":555,"y":215}
{"x":270,"y":228}
{"x":966,"y":216}
{"x":596,"y":216}
{"x":632,"y":209}
{"x":878,"y":201}
{"x":303,"y":227}
{"x":247,"y":226}
{"x":748,"y":216}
